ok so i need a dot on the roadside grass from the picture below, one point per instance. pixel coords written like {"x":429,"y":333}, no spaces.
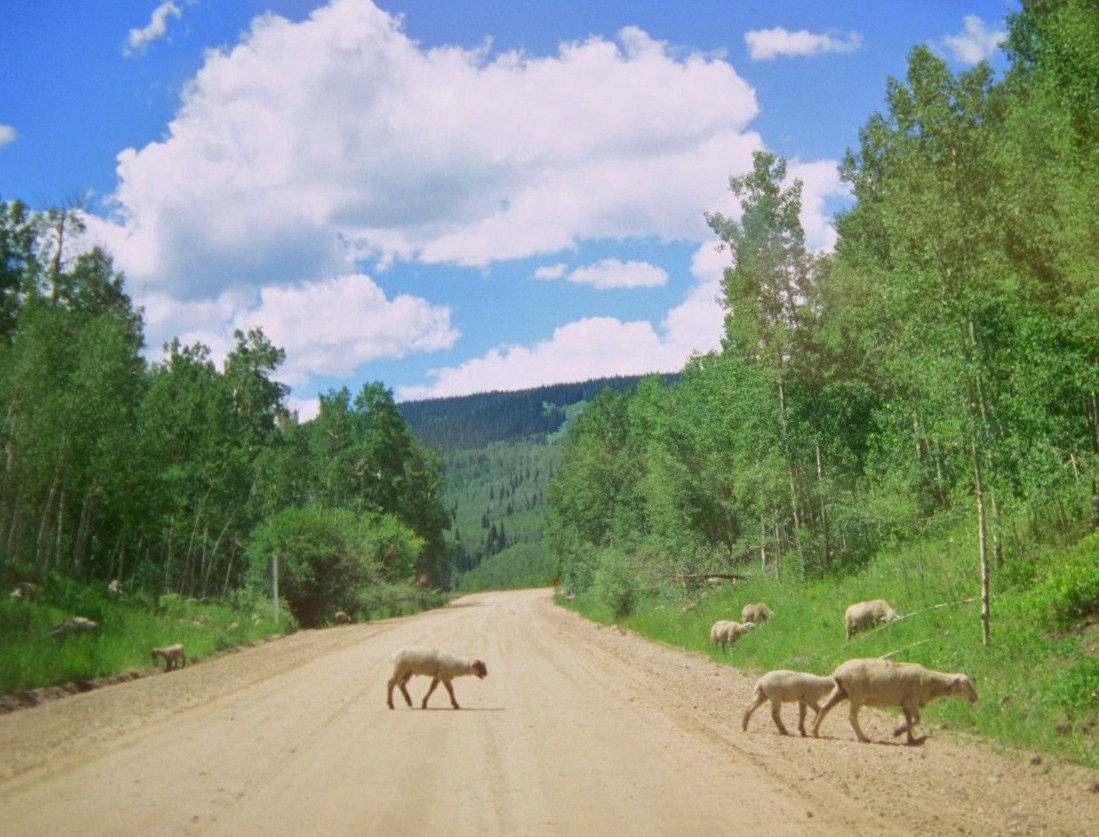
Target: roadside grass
{"x":30,"y":658}
{"x":1038,"y":680}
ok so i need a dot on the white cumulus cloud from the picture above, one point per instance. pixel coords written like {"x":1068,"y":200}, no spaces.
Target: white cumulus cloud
{"x":588,"y":348}
{"x":138,"y":40}
{"x":767,"y":44}
{"x":975,"y":42}
{"x":311,"y":153}
{"x":8,"y":135}
{"x":614,"y":273}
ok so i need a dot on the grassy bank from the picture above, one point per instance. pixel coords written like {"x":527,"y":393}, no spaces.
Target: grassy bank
{"x":1038,"y":680}
{"x":31,"y":658}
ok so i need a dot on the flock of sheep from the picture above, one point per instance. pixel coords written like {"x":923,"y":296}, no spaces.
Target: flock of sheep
{"x":174,"y":656}
{"x":862,"y":681}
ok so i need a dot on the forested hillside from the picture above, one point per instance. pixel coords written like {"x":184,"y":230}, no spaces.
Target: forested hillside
{"x":941,"y":367}
{"x":499,"y":453}
{"x":470,"y":422}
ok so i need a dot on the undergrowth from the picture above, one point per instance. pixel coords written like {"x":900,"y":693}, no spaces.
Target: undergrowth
{"x":30,"y":657}
{"x":1038,"y":679}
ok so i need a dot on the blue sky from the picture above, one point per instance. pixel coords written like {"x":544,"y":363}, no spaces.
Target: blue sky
{"x":495,"y":196}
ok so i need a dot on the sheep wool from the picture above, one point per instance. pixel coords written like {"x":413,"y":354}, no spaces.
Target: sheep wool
{"x":440,"y":666}
{"x":783,"y":686}
{"x":877,"y":682}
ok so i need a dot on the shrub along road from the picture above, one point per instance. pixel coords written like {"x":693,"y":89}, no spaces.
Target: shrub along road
{"x":578,"y":729}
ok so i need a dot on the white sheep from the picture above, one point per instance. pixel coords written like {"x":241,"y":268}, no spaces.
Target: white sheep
{"x":173,"y":655}
{"x":756,"y":612}
{"x":114,"y":588}
{"x":725,"y":632}
{"x":876,"y":682}
{"x":75,"y":625}
{"x":342,"y":618}
{"x":863,"y":615}
{"x":440,"y":666}
{"x":783,"y":686}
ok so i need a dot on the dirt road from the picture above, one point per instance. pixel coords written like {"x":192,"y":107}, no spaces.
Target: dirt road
{"x":578,"y":730}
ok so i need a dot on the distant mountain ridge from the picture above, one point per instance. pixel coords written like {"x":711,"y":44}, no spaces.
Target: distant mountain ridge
{"x":470,"y":422}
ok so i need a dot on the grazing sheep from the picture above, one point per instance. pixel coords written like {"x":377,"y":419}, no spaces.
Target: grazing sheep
{"x":75,"y":625}
{"x":342,"y":618}
{"x":114,"y":588}
{"x":24,"y":591}
{"x":173,"y":655}
{"x":756,"y":612}
{"x":876,"y":682}
{"x":781,"y":687}
{"x":725,"y":633}
{"x":863,"y":615}
{"x":430,"y":662}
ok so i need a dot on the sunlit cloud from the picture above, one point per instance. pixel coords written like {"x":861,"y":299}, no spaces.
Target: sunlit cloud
{"x":590,"y":348}
{"x":768,"y":44}
{"x":975,"y":42}
{"x":138,"y":40}
{"x":608,"y":274}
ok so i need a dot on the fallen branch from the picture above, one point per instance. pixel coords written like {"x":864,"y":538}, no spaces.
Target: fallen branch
{"x":936,"y":607}
{"x":726,"y":576}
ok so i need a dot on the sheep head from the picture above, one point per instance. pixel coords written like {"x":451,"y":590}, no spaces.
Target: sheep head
{"x":479,"y":668}
{"x":962,"y":688}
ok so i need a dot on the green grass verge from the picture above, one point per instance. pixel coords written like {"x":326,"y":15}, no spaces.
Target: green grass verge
{"x":30,"y":658}
{"x":1038,"y":680}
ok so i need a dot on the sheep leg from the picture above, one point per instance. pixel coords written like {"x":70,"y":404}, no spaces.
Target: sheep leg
{"x":434,"y":683}
{"x":816,"y":711}
{"x":838,"y":694}
{"x":911,"y":718}
{"x":760,"y":699}
{"x":776,"y":715}
{"x":855,"y":707}
{"x":801,"y":717}
{"x":450,"y":691}
{"x":399,"y":680}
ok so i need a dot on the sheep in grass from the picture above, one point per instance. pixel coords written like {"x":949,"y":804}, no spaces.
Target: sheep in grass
{"x":173,"y":656}
{"x":342,"y":618}
{"x":783,"y":686}
{"x":24,"y":591}
{"x":75,"y":625}
{"x":863,"y":615}
{"x":440,"y":666}
{"x":756,"y":612}
{"x":725,"y":633}
{"x":876,"y":682}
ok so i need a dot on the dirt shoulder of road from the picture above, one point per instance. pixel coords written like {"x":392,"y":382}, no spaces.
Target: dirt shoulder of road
{"x":559,"y":690}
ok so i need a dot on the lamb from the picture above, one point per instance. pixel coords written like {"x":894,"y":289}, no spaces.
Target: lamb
{"x":781,"y":687}
{"x":342,"y":618}
{"x":756,"y":612}
{"x":431,"y":662}
{"x":725,"y":633}
{"x":24,"y":591}
{"x":173,"y":655}
{"x":75,"y":625}
{"x":876,"y":682}
{"x":863,"y":615}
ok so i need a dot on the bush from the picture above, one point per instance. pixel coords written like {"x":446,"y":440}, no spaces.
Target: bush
{"x":616,"y":584}
{"x":1076,"y":688}
{"x":1069,"y":593}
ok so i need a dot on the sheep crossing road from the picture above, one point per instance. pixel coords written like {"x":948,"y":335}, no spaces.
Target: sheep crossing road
{"x":579,"y":729}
